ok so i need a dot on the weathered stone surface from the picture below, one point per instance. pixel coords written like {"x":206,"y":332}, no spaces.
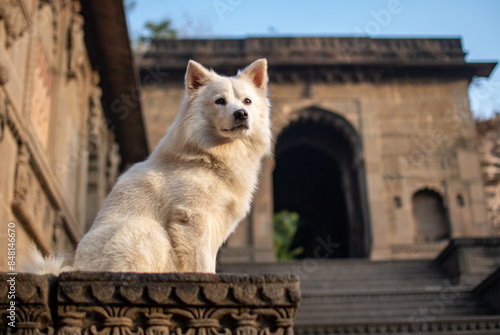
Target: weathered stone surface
{"x":469,"y":326}
{"x":471,"y":260}
{"x":490,"y":290}
{"x":488,"y":133}
{"x":385,"y":297}
{"x":56,"y":57}
{"x":130,"y":303}
{"x":31,"y":295}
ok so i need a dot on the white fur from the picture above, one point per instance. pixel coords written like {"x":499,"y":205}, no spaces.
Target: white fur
{"x":172,"y":212}
{"x":41,"y":265}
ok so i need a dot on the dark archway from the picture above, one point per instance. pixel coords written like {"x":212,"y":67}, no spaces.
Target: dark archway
{"x":318,"y":174}
{"x":430,"y":216}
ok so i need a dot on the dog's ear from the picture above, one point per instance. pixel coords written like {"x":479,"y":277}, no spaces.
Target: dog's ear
{"x":196,"y":76}
{"x":257,"y":73}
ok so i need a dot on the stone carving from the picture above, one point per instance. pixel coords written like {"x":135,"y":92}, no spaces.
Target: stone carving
{"x":32,"y":311}
{"x":41,"y":96}
{"x":147,"y":304}
{"x":23,"y":176}
{"x":14,"y":21}
{"x":95,"y":122}
{"x":56,"y":5}
{"x":4,"y":74}
{"x":112,"y":163}
{"x":31,"y":204}
{"x":3,"y":115}
{"x":76,"y":46}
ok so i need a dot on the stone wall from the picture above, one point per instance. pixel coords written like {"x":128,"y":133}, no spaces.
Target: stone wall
{"x":489,"y":149}
{"x":57,"y":141}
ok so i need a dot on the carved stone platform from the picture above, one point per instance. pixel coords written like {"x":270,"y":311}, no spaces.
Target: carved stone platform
{"x":130,"y":303}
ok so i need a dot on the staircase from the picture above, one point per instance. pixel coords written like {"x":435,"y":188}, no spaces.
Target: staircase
{"x":368,"y":297}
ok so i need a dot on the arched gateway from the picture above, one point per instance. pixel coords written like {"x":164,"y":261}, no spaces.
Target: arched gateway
{"x":318,"y":175}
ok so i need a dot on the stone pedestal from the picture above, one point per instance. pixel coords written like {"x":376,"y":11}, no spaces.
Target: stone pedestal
{"x":130,"y":303}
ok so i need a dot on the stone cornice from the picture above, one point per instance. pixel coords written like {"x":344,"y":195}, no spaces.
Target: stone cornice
{"x":323,"y":59}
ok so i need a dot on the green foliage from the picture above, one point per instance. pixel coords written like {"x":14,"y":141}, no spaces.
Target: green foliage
{"x":161,"y":29}
{"x":285,"y":227}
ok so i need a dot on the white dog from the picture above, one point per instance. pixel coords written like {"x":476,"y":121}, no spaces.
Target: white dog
{"x":172,"y":212}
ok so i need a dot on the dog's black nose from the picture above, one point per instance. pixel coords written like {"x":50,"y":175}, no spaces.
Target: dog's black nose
{"x":240,"y":114}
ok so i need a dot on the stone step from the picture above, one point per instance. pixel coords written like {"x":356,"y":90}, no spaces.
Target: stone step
{"x":442,"y":293}
{"x":342,"y":265}
{"x":359,"y":274}
{"x":338,"y":291}
{"x":320,"y":308}
{"x":398,"y":306}
{"x":374,"y":279}
{"x":315,"y":316}
{"x":470,"y":325}
{"x":340,"y":269}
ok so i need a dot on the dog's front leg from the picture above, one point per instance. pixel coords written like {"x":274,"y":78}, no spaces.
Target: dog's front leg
{"x":204,"y":259}
{"x":192,"y":243}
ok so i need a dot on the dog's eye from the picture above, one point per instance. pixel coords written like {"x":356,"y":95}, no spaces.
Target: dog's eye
{"x":247,"y":101}
{"x":220,"y":101}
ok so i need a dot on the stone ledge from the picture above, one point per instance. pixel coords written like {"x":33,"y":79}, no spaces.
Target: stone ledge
{"x":318,"y":59}
{"x":471,"y":260}
{"x":130,"y":303}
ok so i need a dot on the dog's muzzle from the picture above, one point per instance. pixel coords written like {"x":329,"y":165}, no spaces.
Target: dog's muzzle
{"x":240,"y":120}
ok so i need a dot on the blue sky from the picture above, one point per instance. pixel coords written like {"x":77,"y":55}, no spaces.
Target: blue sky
{"x":476,"y":22}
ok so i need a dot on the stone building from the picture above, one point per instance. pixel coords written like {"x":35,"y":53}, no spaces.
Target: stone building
{"x":375,"y":142}
{"x":70,"y":117}
{"x":376,"y":150}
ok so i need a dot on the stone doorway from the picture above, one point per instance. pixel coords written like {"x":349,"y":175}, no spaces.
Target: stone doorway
{"x":318,"y":175}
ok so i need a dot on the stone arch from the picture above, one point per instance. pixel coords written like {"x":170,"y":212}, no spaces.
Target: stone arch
{"x":319,"y":173}
{"x":430,"y":216}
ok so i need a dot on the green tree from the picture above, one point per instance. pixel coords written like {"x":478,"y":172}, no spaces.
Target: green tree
{"x":285,"y":227}
{"x":161,"y":29}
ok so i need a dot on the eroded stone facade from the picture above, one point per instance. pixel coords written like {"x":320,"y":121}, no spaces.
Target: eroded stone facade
{"x":489,"y":149}
{"x":58,"y":143}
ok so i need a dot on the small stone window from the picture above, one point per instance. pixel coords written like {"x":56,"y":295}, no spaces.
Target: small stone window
{"x":398,"y":203}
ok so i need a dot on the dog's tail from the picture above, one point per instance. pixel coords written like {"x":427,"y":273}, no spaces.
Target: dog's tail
{"x":39,"y":264}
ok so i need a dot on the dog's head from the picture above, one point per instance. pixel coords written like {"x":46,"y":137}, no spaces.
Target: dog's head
{"x":232,"y":107}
